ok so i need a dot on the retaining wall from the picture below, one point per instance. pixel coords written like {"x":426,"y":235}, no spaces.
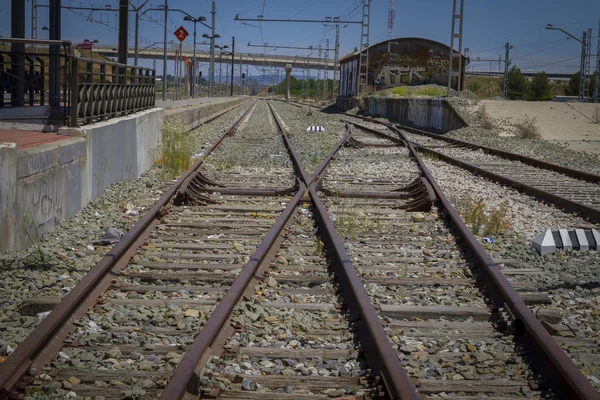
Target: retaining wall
{"x":43,"y":185}
{"x":344,"y":104}
{"x":432,"y":114}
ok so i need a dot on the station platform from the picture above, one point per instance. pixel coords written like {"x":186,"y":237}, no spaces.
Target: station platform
{"x":24,"y":139}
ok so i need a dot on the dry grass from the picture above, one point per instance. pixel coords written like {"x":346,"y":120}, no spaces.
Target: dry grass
{"x":486,"y":122}
{"x":528,"y":130}
{"x":485,"y":221}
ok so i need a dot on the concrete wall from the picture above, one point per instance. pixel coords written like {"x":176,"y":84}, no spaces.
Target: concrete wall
{"x":43,"y":185}
{"x":39,"y":187}
{"x":433,"y":114}
{"x":344,"y":104}
{"x":118,"y":149}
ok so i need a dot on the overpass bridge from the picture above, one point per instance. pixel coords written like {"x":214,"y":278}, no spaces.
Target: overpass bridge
{"x":297,"y":62}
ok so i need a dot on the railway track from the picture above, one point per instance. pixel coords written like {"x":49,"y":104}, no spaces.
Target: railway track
{"x":576,"y":191}
{"x":249,"y":281}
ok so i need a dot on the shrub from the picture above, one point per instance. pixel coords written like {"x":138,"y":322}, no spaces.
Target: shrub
{"x":528,"y":130}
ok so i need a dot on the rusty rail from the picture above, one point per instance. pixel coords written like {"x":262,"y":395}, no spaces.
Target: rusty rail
{"x":378,"y":350}
{"x":35,"y":351}
{"x":376,"y":345}
{"x":573,"y":173}
{"x":522,"y":187}
{"x":559,"y":372}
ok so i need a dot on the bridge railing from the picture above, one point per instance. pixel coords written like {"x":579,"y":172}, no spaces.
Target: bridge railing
{"x":102,"y":90}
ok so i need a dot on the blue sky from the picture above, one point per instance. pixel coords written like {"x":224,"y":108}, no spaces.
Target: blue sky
{"x":488,"y":25}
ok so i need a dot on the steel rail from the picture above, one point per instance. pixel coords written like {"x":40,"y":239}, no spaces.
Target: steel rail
{"x":570,"y":205}
{"x":185,"y":373}
{"x":32,"y":352}
{"x":573,"y":173}
{"x":288,"y":145}
{"x":377,"y":348}
{"x":376,"y":344}
{"x":534,"y":162}
{"x":559,"y":372}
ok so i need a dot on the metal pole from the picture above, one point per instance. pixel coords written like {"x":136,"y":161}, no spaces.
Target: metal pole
{"x":241,"y":79}
{"x":194,"y":65}
{"x":164,"y":96}
{"x":55,"y":34}
{"x":506,"y":65}
{"x":18,"y":59}
{"x":597,"y":88}
{"x":220,"y":72}
{"x":212,"y":52}
{"x":232,"y":62}
{"x":582,"y":67}
{"x":137,"y":31}
{"x":123,"y":30}
{"x":337,"y":58}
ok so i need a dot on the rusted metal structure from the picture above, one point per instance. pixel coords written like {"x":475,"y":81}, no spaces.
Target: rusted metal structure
{"x":398,"y":62}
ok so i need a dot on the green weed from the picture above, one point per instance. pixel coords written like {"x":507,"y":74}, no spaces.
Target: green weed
{"x":400,"y":91}
{"x":431,"y":91}
{"x":175,"y":151}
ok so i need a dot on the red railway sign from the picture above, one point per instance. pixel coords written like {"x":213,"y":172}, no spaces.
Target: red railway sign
{"x":181,"y":33}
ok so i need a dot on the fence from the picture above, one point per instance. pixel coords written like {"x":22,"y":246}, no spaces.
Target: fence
{"x":78,"y":90}
{"x":102,"y":90}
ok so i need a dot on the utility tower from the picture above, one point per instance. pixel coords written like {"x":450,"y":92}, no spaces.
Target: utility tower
{"x":457,"y":19}
{"x":325,"y":75}
{"x":391,"y":15}
{"x":588,"y":59}
{"x":507,"y":63}
{"x":363,"y":68}
{"x":582,"y":68}
{"x":597,"y":88}
{"x":337,"y":57}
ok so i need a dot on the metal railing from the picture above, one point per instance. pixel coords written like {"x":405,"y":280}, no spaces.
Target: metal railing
{"x":85,"y":90}
{"x":101,"y":90}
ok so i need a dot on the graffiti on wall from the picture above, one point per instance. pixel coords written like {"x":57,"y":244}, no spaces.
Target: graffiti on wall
{"x":395,"y":75}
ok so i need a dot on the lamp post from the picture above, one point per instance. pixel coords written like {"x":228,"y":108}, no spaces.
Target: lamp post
{"x":200,"y":19}
{"x":211,"y":73}
{"x":582,"y":77}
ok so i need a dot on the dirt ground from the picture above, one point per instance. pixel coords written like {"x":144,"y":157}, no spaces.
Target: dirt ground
{"x":566,"y":124}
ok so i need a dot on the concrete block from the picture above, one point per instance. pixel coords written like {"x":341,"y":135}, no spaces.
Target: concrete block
{"x":8,"y":191}
{"x":566,"y":239}
{"x":596,"y":236}
{"x":582,"y":239}
{"x":37,"y":159}
{"x":70,"y":150}
{"x":544,"y":243}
